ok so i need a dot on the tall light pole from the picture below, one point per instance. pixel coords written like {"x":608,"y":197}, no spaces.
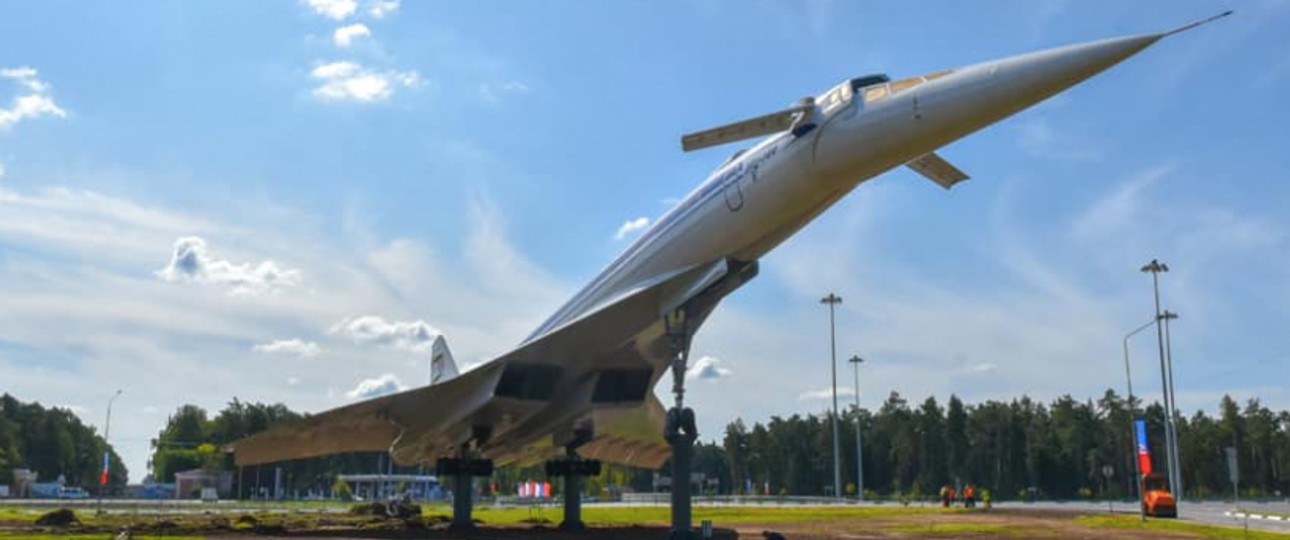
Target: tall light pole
{"x":1128,"y":380}
{"x":1173,"y":399}
{"x":1155,"y":267}
{"x":856,"y":361}
{"x":107,"y":464}
{"x":833,"y":300}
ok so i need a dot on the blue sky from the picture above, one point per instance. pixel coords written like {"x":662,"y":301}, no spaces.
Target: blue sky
{"x":280,"y":201}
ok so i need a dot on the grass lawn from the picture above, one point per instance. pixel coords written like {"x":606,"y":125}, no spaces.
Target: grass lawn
{"x":1133,"y":523}
{"x":816,"y":522}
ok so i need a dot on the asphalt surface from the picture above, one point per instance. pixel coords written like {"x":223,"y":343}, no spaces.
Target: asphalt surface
{"x":1213,"y":513}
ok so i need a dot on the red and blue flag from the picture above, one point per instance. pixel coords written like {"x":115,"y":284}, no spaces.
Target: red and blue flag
{"x":1144,"y":452}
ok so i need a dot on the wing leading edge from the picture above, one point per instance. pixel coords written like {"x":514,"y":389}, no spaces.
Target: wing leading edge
{"x":426,"y":423}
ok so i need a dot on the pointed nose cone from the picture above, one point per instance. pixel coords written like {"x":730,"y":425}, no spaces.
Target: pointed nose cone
{"x":1055,"y":70}
{"x":1022,"y":81}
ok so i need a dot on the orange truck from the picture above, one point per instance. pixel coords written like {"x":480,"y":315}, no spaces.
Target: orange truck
{"x":1157,"y":501}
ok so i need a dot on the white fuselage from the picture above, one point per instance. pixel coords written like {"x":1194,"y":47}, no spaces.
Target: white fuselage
{"x":763,"y":195}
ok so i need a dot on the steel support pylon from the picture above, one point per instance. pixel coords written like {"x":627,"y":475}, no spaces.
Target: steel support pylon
{"x":462,"y":501}
{"x":680,"y":431}
{"x":572,"y":496}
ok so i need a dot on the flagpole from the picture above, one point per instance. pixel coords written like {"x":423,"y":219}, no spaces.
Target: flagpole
{"x":107,"y":452}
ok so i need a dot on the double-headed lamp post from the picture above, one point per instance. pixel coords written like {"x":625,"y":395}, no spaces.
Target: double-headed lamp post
{"x":855,"y":362}
{"x":833,"y":300}
{"x":1155,"y":268}
{"x":107,"y":429}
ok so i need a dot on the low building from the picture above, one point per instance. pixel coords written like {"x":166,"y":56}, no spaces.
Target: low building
{"x":22,"y":481}
{"x":189,"y":484}
{"x":379,"y":487}
{"x":663,"y":483}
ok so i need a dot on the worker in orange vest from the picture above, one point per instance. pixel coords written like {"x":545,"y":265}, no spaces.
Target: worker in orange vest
{"x":969,"y":497}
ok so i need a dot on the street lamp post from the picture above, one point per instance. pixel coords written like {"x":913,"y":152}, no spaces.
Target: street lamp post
{"x":1173,"y":398}
{"x":107,"y":464}
{"x":833,"y":300}
{"x":1128,"y":380}
{"x":1155,"y":267}
{"x":855,"y":362}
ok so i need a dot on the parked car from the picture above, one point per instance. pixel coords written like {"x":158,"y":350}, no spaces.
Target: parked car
{"x":72,"y":493}
{"x":1158,"y":501}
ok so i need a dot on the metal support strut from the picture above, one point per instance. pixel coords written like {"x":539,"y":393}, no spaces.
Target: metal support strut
{"x":572,"y":503}
{"x":572,"y":468}
{"x":462,"y":470}
{"x":681,"y":430}
{"x":462,"y":498}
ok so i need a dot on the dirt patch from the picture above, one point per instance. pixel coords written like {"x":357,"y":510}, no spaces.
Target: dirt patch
{"x":392,"y":510}
{"x":860,"y":525}
{"x":58,"y":518}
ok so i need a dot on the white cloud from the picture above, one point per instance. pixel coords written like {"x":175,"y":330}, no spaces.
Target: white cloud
{"x":349,"y":81}
{"x":382,"y":8}
{"x":25,"y":76}
{"x":334,"y":9}
{"x":707,"y":368}
{"x":335,"y":70}
{"x":369,"y":388}
{"x":631,"y":227}
{"x":826,"y":394}
{"x":191,"y":262}
{"x":414,"y":336}
{"x":494,"y":92}
{"x":293,"y":347}
{"x":292,"y":381}
{"x":345,"y":35}
{"x":34,"y":104}
{"x":81,"y":310}
{"x":1038,"y":138}
{"x":1117,"y":211}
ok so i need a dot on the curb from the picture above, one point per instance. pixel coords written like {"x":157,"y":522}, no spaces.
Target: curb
{"x":1267,"y":517}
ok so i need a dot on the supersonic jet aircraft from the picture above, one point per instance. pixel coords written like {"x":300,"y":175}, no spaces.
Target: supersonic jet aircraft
{"x":581,"y":382}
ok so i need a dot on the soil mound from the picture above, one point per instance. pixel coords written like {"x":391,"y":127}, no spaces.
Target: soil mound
{"x":62,"y":517}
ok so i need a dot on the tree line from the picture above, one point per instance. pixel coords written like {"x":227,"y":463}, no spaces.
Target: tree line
{"x":53,"y":442}
{"x":1016,"y":449}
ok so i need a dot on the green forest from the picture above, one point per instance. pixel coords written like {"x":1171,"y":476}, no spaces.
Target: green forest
{"x":53,"y":442}
{"x":1056,"y":449}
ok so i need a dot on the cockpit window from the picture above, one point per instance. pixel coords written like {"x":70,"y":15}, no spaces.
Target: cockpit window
{"x":937,"y":75}
{"x":835,"y":98}
{"x":906,"y":84}
{"x":875,"y":93}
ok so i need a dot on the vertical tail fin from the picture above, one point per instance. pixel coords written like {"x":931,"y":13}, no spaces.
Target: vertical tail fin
{"x":442,"y":367}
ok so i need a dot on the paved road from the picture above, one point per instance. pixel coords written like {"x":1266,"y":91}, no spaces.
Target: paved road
{"x":1213,"y":513}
